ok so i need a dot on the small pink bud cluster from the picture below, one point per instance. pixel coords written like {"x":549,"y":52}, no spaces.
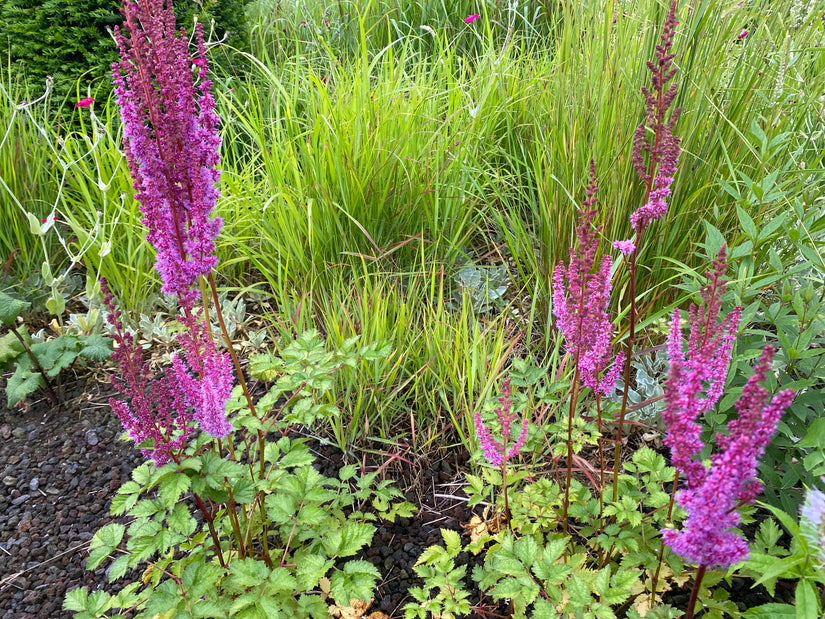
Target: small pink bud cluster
{"x":493,"y":450}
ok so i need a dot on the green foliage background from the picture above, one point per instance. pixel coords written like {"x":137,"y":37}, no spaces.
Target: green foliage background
{"x":70,"y":39}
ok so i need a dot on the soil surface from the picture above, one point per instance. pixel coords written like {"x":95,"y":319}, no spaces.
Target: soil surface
{"x":60,"y":466}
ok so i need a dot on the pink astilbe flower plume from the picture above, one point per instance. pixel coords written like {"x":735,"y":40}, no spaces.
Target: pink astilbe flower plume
{"x":697,"y":376}
{"x":171,"y":141}
{"x":209,"y":389}
{"x":581,"y":296}
{"x":694,"y":385}
{"x":493,"y":450}
{"x":155,"y":410}
{"x":663,"y":153}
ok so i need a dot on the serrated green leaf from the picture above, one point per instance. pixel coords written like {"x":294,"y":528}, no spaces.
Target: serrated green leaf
{"x":310,"y":570}
{"x":357,"y":580}
{"x":349,"y":539}
{"x":543,"y":609}
{"x":11,"y":308}
{"x":452,"y":541}
{"x":507,"y":588}
{"x":118,"y":568}
{"x":22,"y":383}
{"x":579,"y":591}
{"x":10,"y":348}
{"x":265,"y":366}
{"x":246,"y":573}
{"x":299,"y":455}
{"x":76,"y":599}
{"x":103,"y":543}
{"x":281,"y":580}
{"x":243,"y":491}
{"x":172,"y":486}
{"x":347,"y":472}
{"x":96,"y":347}
{"x":527,"y":550}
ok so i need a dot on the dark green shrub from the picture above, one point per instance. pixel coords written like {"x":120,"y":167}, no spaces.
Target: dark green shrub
{"x":70,"y":40}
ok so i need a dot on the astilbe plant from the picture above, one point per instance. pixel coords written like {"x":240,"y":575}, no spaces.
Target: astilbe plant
{"x":275,"y":496}
{"x":655,"y":158}
{"x":695,"y":383}
{"x":498,"y":454}
{"x":581,"y":297}
{"x":172,"y":147}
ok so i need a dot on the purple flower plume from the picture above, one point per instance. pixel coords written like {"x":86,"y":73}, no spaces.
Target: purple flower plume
{"x":697,"y":376}
{"x":171,"y":141}
{"x":155,"y":410}
{"x":493,"y":450}
{"x":209,"y":389}
{"x":694,"y":385}
{"x":664,"y":151}
{"x":581,"y":295}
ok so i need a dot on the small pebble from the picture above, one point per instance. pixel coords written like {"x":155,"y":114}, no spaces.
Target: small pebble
{"x":34,"y":483}
{"x":21,"y":499}
{"x":91,"y":438}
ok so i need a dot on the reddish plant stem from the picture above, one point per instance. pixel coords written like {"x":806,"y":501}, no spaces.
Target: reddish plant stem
{"x":694,"y":594}
{"x":655,"y":580}
{"x":238,"y":370}
{"x":209,"y":521}
{"x":574,"y":396}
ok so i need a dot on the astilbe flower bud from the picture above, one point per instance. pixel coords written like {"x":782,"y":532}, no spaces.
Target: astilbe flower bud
{"x":581,"y":296}
{"x":663,"y":153}
{"x":493,"y":450}
{"x":171,"y":141}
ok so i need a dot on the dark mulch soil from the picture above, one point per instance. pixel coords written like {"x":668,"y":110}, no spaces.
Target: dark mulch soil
{"x":59,"y":468}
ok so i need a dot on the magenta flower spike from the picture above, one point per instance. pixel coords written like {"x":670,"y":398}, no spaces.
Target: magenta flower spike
{"x":581,"y":296}
{"x":493,"y":450}
{"x":155,"y":409}
{"x":471,"y":18}
{"x":664,"y":152}
{"x":706,"y":538}
{"x":694,"y":386}
{"x":171,"y":141}
{"x":209,"y":389}
{"x":697,"y":377}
